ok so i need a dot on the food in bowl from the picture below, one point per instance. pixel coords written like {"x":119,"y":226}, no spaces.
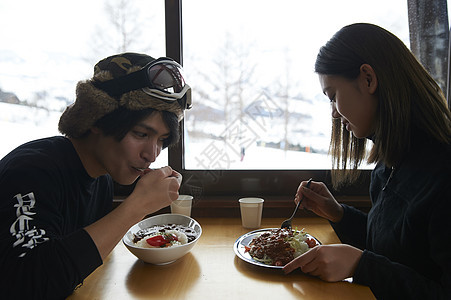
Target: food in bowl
{"x":163,"y":236}
{"x":278,"y":247}
{"x":162,"y":253}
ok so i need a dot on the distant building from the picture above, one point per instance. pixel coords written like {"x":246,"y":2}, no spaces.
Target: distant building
{"x":8,"y":97}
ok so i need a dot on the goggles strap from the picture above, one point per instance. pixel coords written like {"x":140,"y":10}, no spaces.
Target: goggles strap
{"x":118,"y":86}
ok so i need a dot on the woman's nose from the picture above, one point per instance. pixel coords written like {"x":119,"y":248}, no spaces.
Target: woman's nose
{"x":335,"y":113}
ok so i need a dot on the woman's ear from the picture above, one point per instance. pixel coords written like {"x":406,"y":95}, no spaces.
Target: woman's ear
{"x":369,"y":76}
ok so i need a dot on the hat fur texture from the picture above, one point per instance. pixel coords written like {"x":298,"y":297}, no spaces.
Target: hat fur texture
{"x":92,"y":103}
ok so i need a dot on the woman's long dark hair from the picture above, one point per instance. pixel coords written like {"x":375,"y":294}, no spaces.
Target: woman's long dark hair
{"x":409,"y":98}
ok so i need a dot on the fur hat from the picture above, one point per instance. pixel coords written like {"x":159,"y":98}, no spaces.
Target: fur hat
{"x":92,"y":103}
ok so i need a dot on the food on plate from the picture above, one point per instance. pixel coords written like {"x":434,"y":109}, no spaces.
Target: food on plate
{"x":163,"y":236}
{"x":277,"y":247}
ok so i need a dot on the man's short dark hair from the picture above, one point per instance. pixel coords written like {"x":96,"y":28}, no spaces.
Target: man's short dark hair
{"x":119,"y":122}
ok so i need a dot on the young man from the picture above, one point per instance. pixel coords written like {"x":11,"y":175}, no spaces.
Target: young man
{"x":56,"y":223}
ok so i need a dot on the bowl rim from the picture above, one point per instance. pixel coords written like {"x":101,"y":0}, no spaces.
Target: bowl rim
{"x":125,"y":238}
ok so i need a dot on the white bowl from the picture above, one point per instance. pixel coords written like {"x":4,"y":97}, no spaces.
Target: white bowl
{"x":167,"y":255}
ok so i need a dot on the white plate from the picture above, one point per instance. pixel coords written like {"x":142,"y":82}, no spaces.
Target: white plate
{"x":240,"y":247}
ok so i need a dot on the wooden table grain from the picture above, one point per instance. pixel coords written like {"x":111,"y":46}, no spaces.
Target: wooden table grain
{"x":212,"y":271}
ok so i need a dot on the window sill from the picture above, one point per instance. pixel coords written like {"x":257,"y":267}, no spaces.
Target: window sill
{"x":274,"y":206}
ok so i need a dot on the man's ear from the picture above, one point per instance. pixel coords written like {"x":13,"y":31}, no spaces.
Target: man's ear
{"x":96,"y":130}
{"x":368,"y":74}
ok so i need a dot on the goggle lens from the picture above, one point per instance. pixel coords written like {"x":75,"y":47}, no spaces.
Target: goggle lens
{"x":166,"y":77}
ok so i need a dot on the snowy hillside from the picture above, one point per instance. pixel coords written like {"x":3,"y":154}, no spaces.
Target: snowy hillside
{"x":20,"y":124}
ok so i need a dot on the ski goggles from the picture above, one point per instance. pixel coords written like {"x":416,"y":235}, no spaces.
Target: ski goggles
{"x":162,"y":78}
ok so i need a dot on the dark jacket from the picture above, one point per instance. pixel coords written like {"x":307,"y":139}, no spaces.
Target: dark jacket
{"x":406,"y":236}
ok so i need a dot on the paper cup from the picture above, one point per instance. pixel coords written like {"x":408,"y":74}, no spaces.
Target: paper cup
{"x":251,"y":212}
{"x":182,"y":205}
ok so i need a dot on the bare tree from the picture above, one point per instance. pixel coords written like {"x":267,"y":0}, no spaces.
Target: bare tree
{"x":122,"y":31}
{"x":227,"y":84}
{"x":122,"y":15}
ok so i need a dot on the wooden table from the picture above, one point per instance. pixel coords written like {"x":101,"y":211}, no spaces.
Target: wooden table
{"x":212,"y":271}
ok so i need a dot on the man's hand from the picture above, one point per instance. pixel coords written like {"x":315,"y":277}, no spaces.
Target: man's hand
{"x":156,"y":188}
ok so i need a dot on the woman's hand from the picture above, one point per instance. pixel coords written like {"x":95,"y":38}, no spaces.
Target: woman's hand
{"x":319,"y":200}
{"x":328,"y":262}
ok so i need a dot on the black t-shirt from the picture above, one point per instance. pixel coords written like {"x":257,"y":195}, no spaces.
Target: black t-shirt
{"x":46,"y":199}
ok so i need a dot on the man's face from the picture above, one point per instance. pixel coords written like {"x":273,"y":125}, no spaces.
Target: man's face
{"x":126,"y":160}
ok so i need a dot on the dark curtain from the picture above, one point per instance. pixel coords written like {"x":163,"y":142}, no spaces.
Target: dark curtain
{"x":429,"y":37}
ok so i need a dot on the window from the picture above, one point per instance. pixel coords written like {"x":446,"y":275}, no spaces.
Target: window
{"x":260,"y":123}
{"x":258,"y":103}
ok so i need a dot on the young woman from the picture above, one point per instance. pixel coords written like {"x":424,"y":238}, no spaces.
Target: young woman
{"x":56,"y":223}
{"x":381,"y":94}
